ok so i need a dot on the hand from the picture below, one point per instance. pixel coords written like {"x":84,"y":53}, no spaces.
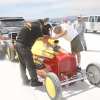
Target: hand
{"x":54,"y":45}
{"x":82,"y":33}
{"x":53,"y":38}
{"x":46,"y":36}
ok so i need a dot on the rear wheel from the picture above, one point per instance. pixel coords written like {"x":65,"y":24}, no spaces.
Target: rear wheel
{"x":4,"y":48}
{"x":16,"y":55}
{"x":94,"y":31}
{"x":53,"y":86}
{"x":93,"y":72}
{"x":10,"y":52}
{"x":86,"y":31}
{"x":2,"y":55}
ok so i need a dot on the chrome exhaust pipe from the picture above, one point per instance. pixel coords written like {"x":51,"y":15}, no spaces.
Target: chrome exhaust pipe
{"x":40,"y":60}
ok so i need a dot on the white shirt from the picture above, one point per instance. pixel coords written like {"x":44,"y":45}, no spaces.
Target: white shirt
{"x":71,"y":33}
{"x":68,"y":22}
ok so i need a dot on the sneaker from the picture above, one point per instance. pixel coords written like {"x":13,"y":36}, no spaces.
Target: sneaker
{"x":25,"y":82}
{"x":85,"y":48}
{"x":36,"y":83}
{"x":79,"y":68}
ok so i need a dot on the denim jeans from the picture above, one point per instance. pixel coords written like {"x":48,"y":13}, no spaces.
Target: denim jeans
{"x":83,"y":40}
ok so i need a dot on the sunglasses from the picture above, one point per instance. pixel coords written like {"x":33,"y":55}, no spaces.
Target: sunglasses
{"x":79,"y":17}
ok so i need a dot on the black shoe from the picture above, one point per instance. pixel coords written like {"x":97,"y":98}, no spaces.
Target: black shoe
{"x":85,"y":48}
{"x":79,"y":68}
{"x":25,"y":82}
{"x":36,"y":83}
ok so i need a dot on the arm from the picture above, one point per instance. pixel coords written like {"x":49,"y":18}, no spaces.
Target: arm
{"x":46,"y":42}
{"x":50,"y":31}
{"x":74,"y":25}
{"x":84,"y":28}
{"x":39,"y":34}
{"x":50,"y":28}
{"x":61,"y":34}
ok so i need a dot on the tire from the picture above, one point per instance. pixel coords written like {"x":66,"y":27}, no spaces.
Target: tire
{"x":53,"y":86}
{"x":2,"y":55}
{"x":10,"y":52}
{"x":86,"y":31}
{"x":94,"y":31}
{"x":93,"y":72}
{"x":4,"y":49}
{"x":17,"y":55}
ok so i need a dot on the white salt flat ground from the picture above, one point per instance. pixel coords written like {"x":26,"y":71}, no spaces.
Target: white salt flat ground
{"x":12,"y":89}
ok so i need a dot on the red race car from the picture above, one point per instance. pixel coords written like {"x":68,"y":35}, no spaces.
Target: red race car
{"x":59,"y":68}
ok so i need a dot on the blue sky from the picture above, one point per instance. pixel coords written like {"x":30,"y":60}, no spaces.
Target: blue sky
{"x":34,"y":9}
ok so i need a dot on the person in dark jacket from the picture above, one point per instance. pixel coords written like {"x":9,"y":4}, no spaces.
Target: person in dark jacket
{"x":26,"y":39}
{"x":47,"y":28}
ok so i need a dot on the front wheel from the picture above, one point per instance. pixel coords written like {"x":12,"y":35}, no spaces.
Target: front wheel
{"x":10,"y":52}
{"x":4,"y":48}
{"x":53,"y":86}
{"x":93,"y":72}
{"x":86,"y":31}
{"x":94,"y":31}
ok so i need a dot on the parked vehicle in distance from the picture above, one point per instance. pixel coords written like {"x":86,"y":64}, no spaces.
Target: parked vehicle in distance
{"x":92,"y":23}
{"x":55,"y":24}
{"x":9,"y":28}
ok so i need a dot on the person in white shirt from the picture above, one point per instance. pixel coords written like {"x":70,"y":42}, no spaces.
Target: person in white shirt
{"x":71,"y":35}
{"x":67,"y":22}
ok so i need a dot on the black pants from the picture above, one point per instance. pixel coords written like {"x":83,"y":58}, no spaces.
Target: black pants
{"x":26,"y":60}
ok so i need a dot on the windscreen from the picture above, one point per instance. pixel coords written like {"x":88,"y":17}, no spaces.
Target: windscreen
{"x":85,"y":19}
{"x":12,"y":23}
{"x":97,"y":18}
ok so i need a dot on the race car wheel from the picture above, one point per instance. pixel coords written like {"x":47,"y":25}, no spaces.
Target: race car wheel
{"x":4,"y":49}
{"x":86,"y":31}
{"x":93,"y":72}
{"x":10,"y":52}
{"x":17,"y":55}
{"x":94,"y":31}
{"x":53,"y":86}
{"x":2,"y":55}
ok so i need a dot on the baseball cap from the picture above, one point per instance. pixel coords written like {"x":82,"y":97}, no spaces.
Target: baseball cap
{"x":40,"y":21}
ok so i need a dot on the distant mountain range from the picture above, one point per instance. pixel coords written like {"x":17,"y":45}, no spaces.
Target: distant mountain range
{"x":61,"y":19}
{"x":56,"y":19}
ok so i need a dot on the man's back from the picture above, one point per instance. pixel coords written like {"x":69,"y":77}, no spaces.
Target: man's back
{"x":71,"y":33}
{"x":29,"y":33}
{"x":45,"y":29}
